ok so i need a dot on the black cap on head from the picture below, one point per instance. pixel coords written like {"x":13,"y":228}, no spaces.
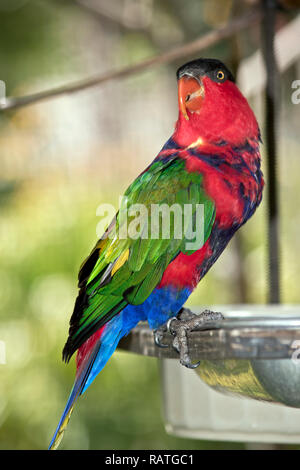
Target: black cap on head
{"x":213,"y":68}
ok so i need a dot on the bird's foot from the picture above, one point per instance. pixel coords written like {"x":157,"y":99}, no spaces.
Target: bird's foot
{"x":180,"y":326}
{"x":184,"y":315}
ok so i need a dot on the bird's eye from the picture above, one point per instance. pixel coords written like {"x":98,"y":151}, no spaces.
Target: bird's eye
{"x":220,"y":75}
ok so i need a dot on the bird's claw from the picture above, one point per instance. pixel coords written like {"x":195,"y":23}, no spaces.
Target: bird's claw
{"x":159,"y":335}
{"x":180,"y":344}
{"x":160,"y":332}
{"x":180,"y":326}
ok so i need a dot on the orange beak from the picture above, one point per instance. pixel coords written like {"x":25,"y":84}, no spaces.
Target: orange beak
{"x":190,"y":95}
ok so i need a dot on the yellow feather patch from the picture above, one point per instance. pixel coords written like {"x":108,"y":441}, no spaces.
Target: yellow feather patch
{"x":120,"y":261}
{"x":101,"y":244}
{"x":61,"y":430}
{"x":197,"y":143}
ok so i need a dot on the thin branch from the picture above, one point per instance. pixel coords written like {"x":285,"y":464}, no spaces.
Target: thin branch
{"x":192,"y":47}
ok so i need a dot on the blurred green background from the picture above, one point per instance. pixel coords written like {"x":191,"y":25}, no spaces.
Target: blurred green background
{"x":62,"y":158}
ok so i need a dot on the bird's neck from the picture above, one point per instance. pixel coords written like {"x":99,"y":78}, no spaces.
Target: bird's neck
{"x":189,"y":133}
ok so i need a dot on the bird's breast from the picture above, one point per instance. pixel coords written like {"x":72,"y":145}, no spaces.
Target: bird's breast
{"x":236,"y":189}
{"x":235,"y":185}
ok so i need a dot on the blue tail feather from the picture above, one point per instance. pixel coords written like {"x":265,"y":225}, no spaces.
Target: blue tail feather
{"x":104,"y":348}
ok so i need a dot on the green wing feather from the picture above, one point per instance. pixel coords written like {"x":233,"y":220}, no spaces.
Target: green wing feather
{"x":122,"y":271}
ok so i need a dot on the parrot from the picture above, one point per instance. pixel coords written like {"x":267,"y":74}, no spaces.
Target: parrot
{"x":211,"y":160}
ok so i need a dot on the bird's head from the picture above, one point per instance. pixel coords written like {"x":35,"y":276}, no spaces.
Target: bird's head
{"x":211,"y":107}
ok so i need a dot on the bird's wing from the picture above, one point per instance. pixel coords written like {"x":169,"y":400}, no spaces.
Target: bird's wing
{"x":122,"y":271}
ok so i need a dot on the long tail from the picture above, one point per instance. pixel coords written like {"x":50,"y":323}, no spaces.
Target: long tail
{"x":91,"y":359}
